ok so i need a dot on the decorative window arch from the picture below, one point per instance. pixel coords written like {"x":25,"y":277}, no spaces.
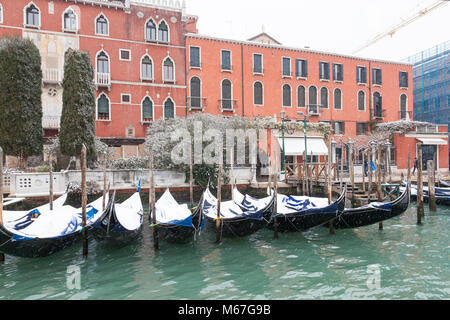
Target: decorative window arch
{"x":258,"y":93}
{"x":163,"y":31}
{"x":195,"y":87}
{"x":403,"y":106}
{"x":169,"y":109}
{"x":287,"y":96}
{"x":361,"y":100}
{"x":227,"y":95}
{"x":168,"y":70}
{"x":377,"y":104}
{"x":103,"y":107}
{"x":324,"y":97}
{"x":70,"y":20}
{"x":32,"y":15}
{"x":102,"y":62}
{"x":337,"y":99}
{"x":147,"y":109}
{"x":146,"y":67}
{"x":150,"y":30}
{"x":102,"y":25}
{"x":301,"y":96}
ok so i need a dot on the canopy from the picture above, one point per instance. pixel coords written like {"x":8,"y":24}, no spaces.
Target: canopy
{"x":435,"y":141}
{"x":296,"y":146}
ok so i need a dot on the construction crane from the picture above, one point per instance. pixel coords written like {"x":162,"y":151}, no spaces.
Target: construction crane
{"x":394,"y":29}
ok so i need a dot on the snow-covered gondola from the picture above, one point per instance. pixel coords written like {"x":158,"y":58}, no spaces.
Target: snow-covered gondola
{"x":444,"y":184}
{"x":372,"y":213}
{"x":120,"y":223}
{"x":442,"y":194}
{"x":176,"y":222}
{"x":237,"y":218}
{"x":49,"y":232}
{"x":299,"y":213}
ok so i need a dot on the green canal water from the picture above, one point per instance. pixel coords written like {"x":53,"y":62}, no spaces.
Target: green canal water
{"x":410,"y":262}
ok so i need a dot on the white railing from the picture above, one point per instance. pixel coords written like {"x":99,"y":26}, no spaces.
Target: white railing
{"x":51,"y":122}
{"x":173,"y":4}
{"x":52,"y":75}
{"x":103,"y":79}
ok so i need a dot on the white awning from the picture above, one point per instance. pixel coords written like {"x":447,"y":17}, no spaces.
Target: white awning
{"x":296,"y":146}
{"x":435,"y":141}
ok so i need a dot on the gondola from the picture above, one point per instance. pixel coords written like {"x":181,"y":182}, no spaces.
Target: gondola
{"x":120,"y":223}
{"x":302,"y":213}
{"x":236,"y":220}
{"x":48,"y":233}
{"x":177,"y":223}
{"x":442,"y":194}
{"x":444,"y":184}
{"x":372,"y":213}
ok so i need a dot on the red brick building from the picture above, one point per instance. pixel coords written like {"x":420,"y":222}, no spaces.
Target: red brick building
{"x":150,"y":62}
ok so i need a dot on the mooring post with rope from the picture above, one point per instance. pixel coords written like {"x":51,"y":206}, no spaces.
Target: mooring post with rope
{"x":2,"y":255}
{"x":431,"y":184}
{"x":379,"y":191}
{"x":104,"y":181}
{"x":420,"y":208}
{"x":219,"y":199}
{"x":151,"y":198}
{"x":84,"y":200}
{"x":50,"y":182}
{"x":330,"y":190}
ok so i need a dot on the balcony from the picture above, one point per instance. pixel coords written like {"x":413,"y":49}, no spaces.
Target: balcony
{"x":379,"y":114}
{"x":196,"y":103}
{"x":52,"y":76}
{"x":313,"y":110}
{"x":405,"y":115}
{"x":103,"y":80}
{"x":51,"y":122}
{"x":227,"y":105}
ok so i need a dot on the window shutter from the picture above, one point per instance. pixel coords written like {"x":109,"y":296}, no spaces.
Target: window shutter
{"x":305,"y":69}
{"x":147,"y":109}
{"x":103,"y":105}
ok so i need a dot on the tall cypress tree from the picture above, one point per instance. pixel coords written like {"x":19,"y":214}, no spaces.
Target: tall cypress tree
{"x":78,"y":111}
{"x":21,"y":131}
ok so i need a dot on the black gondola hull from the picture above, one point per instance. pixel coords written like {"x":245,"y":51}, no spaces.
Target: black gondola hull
{"x":180,"y":234}
{"x":35,"y":248}
{"x":235,"y":228}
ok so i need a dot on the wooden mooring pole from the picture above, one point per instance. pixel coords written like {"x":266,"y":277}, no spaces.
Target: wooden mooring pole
{"x":431,"y":184}
{"x":352,"y":171}
{"x":275,"y":219}
{"x":409,"y":174}
{"x":420,"y":208}
{"x":50,"y":182}
{"x":330,"y":198}
{"x":104,"y":181}
{"x":2,"y":255}
{"x":84,"y":200}
{"x":219,"y":200}
{"x":191,"y":179}
{"x":379,"y":191}
{"x":152,"y":200}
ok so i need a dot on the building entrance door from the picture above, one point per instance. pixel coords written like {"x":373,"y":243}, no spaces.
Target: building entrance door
{"x":428,"y":152}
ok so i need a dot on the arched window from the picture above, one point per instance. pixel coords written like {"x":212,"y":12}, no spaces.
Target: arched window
{"x":377,"y":105}
{"x":103,"y":107}
{"x":102,"y":63}
{"x":227,"y":96}
{"x":287,"y":95}
{"x":258,"y":93}
{"x":163,"y":32}
{"x":168,"y":70}
{"x":337,"y":98}
{"x":32,"y":16}
{"x":301,"y":97}
{"x":312,"y":99}
{"x":196,"y":93}
{"x":146,"y":68}
{"x":323,"y":97}
{"x":147,"y":110}
{"x":69,"y":20}
{"x":101,"y":25}
{"x":403,"y":107}
{"x":361,"y":100}
{"x":169,"y":109}
{"x":150,"y":31}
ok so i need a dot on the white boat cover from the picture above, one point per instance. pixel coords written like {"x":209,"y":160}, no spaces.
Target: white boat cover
{"x":59,"y":222}
{"x":168,"y":211}
{"x":292,"y":204}
{"x":130,"y":212}
{"x":250,"y":203}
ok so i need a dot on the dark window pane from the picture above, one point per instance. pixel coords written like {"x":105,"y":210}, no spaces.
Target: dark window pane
{"x":286,"y":95}
{"x":169,"y":109}
{"x":324,"y":97}
{"x":226,"y":60}
{"x":147,"y":109}
{"x":286,"y":66}
{"x":337,"y":99}
{"x":258,"y":93}
{"x":301,"y":96}
{"x":103,"y":107}
{"x":163,"y":32}
{"x":257,"y":63}
{"x":361,"y":100}
{"x":194,"y":56}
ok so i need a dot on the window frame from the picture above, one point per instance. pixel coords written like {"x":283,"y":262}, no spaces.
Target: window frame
{"x":25,"y":16}
{"x":199,"y":66}
{"x":283,"y":75}
{"x":400,"y":82}
{"x":1,"y":14}
{"x":164,"y":109}
{"x":282,"y":95}
{"x":221,"y":61}
{"x":336,"y":72}
{"x":406,"y":106}
{"x":327,"y":96}
{"x":304,"y":64}
{"x":334,"y":99}
{"x":141,"y":69}
{"x":262,"y":94}
{"x":320,"y":69}
{"x":304,"y":96}
{"x":124,"y":50}
{"x":64,"y":29}
{"x":357,"y":75}
{"x":101,"y":14}
{"x":109,"y":108}
{"x":163,"y":70}
{"x":145,"y":30}
{"x":262,"y":63}
{"x":375,"y":83}
{"x":168,"y":31}
{"x":231,"y":95}
{"x":142,"y":109}
{"x":365,"y":126}
{"x":357,"y":100}
{"x":123,"y":95}
{"x":200,"y":94}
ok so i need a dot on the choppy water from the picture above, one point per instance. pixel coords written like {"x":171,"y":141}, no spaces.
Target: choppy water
{"x":413,"y":263}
